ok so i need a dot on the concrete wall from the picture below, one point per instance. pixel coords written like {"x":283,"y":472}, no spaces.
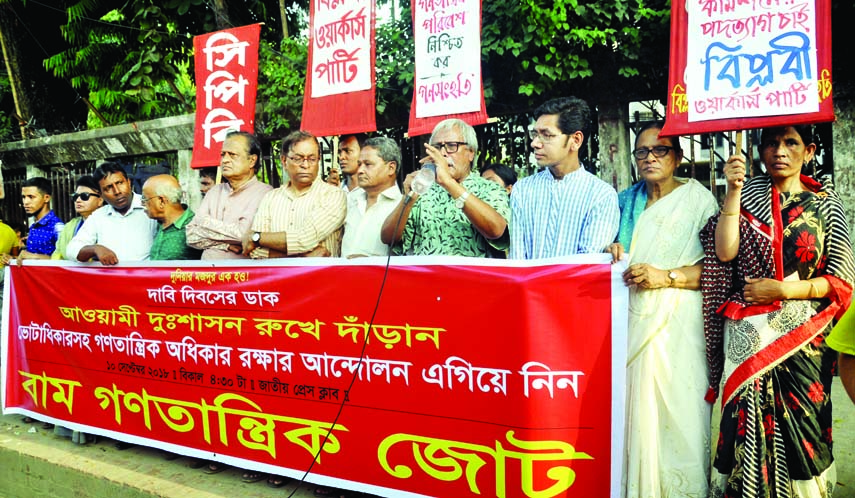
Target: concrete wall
{"x":843,"y":131}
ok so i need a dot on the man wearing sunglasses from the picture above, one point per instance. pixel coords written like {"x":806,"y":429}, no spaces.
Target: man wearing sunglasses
{"x":461,"y":214}
{"x":563,"y":209}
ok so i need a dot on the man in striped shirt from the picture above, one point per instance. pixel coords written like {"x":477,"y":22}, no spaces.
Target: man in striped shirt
{"x":305,"y":217}
{"x":563,"y":209}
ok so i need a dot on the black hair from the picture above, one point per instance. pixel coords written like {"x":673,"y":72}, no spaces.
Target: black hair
{"x":659,"y":125}
{"x":106,"y":169}
{"x":804,"y":131}
{"x":573,"y":114}
{"x":252,"y":143}
{"x":41,"y":183}
{"x":296,"y":137}
{"x":506,"y":173}
{"x":89,"y":182}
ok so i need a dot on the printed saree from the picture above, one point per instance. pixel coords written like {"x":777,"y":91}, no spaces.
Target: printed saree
{"x":774,"y":366}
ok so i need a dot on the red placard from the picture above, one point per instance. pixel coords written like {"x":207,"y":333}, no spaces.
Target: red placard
{"x":728,"y":35}
{"x":475,"y":380}
{"x":339,"y":32}
{"x":226,"y":83}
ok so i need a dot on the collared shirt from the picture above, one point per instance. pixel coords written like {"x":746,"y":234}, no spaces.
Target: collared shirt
{"x":311,"y":218}
{"x":362,"y":226}
{"x":436,"y":226}
{"x":575,"y":215}
{"x":128,"y":235}
{"x":44,"y":234}
{"x":223,"y":218}
{"x":170,"y":243}
{"x":68,"y":232}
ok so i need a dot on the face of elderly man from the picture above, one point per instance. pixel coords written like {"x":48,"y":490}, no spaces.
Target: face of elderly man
{"x":460,"y":160}
{"x":235,"y":158}
{"x":301,"y":163}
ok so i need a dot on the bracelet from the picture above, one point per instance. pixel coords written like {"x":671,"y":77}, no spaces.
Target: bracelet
{"x":728,"y":213}
{"x":812,"y":290}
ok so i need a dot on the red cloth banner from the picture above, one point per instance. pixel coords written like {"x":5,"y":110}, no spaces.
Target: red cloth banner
{"x":447,"y":80}
{"x":226,"y":84}
{"x":472,"y":379}
{"x":741,"y":65}
{"x":340,"y":82}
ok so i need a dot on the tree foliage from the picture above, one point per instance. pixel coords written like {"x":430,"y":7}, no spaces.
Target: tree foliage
{"x":133,"y":62}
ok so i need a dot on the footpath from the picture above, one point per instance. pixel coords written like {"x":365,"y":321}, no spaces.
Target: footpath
{"x":34,"y":463}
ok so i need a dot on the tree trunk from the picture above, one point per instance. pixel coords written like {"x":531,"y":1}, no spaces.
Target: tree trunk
{"x":12,"y":58}
{"x":614,"y":144}
{"x":284,"y":14}
{"x":221,"y":14}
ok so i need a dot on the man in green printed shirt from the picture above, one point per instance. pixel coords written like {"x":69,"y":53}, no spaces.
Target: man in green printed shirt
{"x":461,"y":214}
{"x":161,"y":198}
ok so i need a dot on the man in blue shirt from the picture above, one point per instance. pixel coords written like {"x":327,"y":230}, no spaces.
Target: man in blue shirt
{"x":44,"y":231}
{"x":563,"y":209}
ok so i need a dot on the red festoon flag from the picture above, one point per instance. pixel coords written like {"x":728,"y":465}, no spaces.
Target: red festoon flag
{"x":226,"y":84}
{"x":339,"y":95}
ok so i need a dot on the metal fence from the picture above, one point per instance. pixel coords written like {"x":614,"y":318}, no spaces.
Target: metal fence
{"x":503,"y":140}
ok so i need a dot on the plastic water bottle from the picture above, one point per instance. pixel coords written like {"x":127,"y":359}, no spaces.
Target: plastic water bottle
{"x":424,"y":179}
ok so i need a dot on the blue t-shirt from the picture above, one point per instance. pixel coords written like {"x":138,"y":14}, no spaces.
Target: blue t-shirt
{"x":44,"y":234}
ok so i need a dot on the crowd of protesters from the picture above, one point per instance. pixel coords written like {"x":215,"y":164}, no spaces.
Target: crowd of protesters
{"x":734,"y":301}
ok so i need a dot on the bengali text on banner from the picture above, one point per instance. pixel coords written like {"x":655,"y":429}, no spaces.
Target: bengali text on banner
{"x":447,"y":79}
{"x":226,"y":85}
{"x":478,"y":378}
{"x":339,"y":97}
{"x":748,"y":64}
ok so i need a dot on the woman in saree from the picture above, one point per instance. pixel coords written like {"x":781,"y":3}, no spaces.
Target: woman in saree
{"x":667,"y":419}
{"x":778,"y":271}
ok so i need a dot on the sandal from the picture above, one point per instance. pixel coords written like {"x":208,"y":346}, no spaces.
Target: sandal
{"x":252,"y":476}
{"x":215,"y":468}
{"x":323,"y":491}
{"x":277,"y":481}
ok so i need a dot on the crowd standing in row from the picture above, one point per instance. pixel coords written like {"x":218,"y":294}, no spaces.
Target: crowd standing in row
{"x":734,"y":302}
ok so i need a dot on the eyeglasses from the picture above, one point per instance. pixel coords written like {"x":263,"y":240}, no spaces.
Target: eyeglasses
{"x":544,"y":137}
{"x":303,"y":159}
{"x":450,"y":147}
{"x":83,"y":195}
{"x":658,"y":151}
{"x":146,"y":200}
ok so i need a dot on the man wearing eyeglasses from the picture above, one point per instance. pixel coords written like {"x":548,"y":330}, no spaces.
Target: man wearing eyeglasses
{"x":563,"y":209}
{"x":227,"y":210}
{"x":302,"y":218}
{"x":161,"y":198}
{"x":461,"y":214}
{"x":119,"y":231}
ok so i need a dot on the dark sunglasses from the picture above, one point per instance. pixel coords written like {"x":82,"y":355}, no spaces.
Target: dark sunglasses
{"x":84,"y":195}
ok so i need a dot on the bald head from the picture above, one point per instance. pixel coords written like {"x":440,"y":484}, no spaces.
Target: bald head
{"x":162,"y":198}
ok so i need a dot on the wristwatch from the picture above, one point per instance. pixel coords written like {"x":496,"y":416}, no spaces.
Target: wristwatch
{"x":256,"y":236}
{"x":672,"y":275}
{"x":460,"y":201}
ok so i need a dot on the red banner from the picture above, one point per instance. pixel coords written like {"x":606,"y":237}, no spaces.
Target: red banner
{"x":750,"y":66}
{"x":226,"y":84}
{"x":470,"y":380}
{"x":447,"y":80}
{"x":340,"y":87}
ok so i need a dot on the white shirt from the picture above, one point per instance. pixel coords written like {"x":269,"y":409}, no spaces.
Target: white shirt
{"x":362,"y":226}
{"x":129,"y":235}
